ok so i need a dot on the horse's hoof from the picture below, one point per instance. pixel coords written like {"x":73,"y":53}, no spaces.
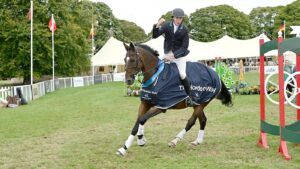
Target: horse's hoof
{"x":141,"y":142}
{"x":172,"y":144}
{"x":121,"y":152}
{"x":195,"y":143}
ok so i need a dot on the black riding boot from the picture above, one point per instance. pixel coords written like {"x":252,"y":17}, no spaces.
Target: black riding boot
{"x":187,"y":88}
{"x":186,"y":85}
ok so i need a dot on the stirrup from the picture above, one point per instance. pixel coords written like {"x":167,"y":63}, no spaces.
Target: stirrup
{"x":189,"y":101}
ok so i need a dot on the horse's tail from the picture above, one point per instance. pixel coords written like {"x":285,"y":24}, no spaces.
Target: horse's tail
{"x":225,"y":96}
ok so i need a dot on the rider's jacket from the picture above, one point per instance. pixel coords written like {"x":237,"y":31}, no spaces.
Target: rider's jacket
{"x":177,"y":42}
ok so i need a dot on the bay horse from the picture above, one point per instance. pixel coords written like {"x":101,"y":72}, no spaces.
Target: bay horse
{"x":142,"y":58}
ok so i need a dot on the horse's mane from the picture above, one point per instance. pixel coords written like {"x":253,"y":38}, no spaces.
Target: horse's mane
{"x":149,"y":49}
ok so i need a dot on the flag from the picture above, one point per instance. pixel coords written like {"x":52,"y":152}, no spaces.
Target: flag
{"x":282,"y":26}
{"x":52,"y":24}
{"x":92,"y":33}
{"x":29,"y":14}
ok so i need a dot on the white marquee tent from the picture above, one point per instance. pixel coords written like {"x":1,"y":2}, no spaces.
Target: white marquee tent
{"x":113,"y":52}
{"x":226,"y":47}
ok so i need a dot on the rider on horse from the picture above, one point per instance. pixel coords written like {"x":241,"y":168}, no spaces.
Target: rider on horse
{"x":176,"y":43}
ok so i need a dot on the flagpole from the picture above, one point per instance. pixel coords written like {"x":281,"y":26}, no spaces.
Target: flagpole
{"x":52,"y":29}
{"x":93,"y":43}
{"x":93,"y":71}
{"x":31,"y":43}
{"x":284,"y":29}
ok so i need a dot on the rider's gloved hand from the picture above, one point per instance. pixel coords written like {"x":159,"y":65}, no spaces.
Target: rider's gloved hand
{"x":160,"y":22}
{"x":169,"y":56}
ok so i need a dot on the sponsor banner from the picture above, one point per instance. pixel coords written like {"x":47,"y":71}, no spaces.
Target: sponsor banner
{"x":271,"y":69}
{"x":78,"y":81}
{"x":119,"y":77}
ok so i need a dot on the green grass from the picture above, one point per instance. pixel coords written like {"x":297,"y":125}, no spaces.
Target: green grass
{"x":252,"y":78}
{"x":83,"y":128}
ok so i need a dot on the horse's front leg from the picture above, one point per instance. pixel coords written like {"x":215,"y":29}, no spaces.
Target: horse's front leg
{"x":141,"y":139}
{"x":141,"y":121}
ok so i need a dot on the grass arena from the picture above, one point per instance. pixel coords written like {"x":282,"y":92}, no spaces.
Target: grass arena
{"x":218,"y":90}
{"x":83,"y":127}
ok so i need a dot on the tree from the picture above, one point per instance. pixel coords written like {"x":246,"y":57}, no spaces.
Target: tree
{"x":106,"y":25}
{"x":291,"y":15}
{"x":71,"y":42}
{"x":132,"y":32}
{"x":211,"y":23}
{"x":72,"y":45}
{"x":15,"y":37}
{"x":263,"y":18}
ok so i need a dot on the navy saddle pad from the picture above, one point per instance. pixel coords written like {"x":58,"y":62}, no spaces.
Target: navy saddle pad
{"x":167,"y":90}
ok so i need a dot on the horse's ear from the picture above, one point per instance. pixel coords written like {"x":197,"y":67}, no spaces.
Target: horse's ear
{"x":126,"y":46}
{"x":156,"y":53}
{"x":132,"y":47}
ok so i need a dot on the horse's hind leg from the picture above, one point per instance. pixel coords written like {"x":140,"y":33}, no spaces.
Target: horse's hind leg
{"x":141,"y":121}
{"x":200,"y":136}
{"x":196,"y":114}
{"x":202,"y":120}
{"x":188,"y":126}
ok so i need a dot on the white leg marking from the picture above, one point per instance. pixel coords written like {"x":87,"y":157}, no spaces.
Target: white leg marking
{"x":128,"y":143}
{"x":142,"y":141}
{"x":141,"y":130}
{"x":179,"y":137}
{"x":199,"y":138}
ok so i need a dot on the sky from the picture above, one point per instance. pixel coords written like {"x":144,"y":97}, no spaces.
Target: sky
{"x":145,"y":13}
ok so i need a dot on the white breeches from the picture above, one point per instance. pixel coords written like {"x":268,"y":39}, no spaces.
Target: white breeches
{"x":181,"y":65}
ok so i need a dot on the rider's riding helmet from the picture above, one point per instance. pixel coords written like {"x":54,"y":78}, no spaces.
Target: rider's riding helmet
{"x":177,"y":12}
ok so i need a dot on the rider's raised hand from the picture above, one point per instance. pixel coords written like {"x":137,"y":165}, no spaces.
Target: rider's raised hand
{"x":160,"y":22}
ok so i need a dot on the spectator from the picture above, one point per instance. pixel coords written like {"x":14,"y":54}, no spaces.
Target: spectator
{"x":3,"y":103}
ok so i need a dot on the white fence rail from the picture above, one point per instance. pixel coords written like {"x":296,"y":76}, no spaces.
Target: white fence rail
{"x":42,"y":88}
{"x":38,"y":90}
{"x":5,"y":91}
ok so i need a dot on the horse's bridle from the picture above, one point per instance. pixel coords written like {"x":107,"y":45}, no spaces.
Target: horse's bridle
{"x":137,"y":64}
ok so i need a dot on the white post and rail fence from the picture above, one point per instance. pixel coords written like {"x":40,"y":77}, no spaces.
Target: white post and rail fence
{"x":36,"y":90}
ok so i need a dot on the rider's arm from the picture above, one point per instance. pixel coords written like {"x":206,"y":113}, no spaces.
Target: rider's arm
{"x":157,"y":31}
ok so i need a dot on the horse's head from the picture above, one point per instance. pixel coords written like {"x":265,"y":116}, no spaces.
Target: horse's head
{"x":133,"y":63}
